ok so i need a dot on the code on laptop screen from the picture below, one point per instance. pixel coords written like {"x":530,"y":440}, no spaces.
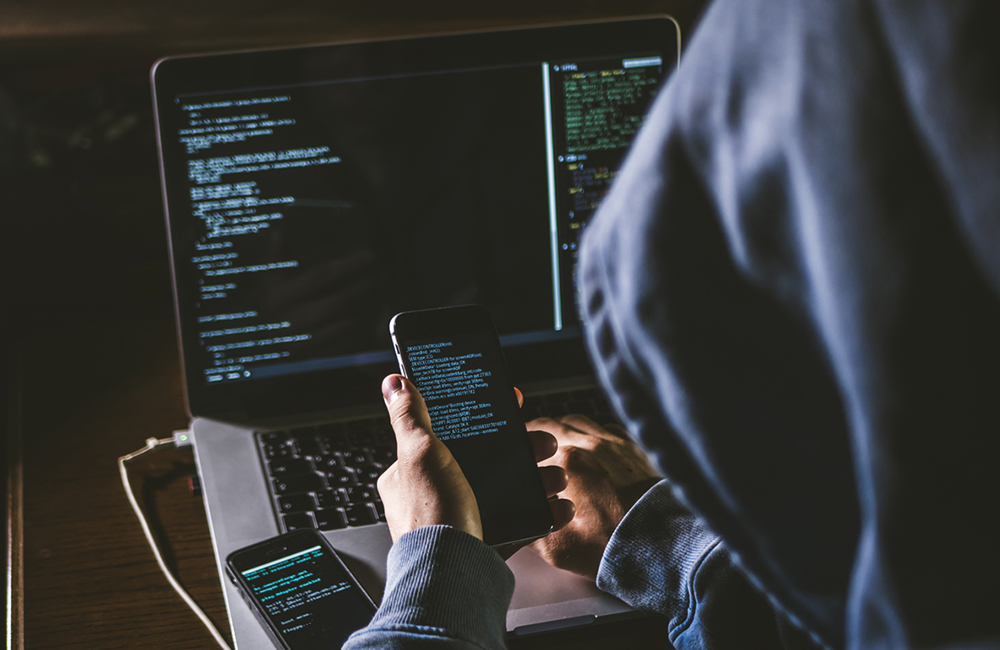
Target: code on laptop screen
{"x":305,"y":215}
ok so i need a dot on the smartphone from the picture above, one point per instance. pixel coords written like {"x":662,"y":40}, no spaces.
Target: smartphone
{"x":453,"y":357}
{"x":300,"y":591}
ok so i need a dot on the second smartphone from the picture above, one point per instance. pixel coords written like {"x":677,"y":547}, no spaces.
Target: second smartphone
{"x":300,"y":591}
{"x":453,"y":357}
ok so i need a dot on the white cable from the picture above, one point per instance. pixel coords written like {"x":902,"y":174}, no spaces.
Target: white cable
{"x":152,"y":443}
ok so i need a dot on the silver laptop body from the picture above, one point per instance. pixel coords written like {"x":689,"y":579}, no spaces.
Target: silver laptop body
{"x":313,"y":192}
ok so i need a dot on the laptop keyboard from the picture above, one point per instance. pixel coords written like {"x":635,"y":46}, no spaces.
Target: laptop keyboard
{"x":324,"y":476}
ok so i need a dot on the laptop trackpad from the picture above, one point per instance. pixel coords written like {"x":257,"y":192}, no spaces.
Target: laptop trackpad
{"x":546,"y":597}
{"x":539,"y":583}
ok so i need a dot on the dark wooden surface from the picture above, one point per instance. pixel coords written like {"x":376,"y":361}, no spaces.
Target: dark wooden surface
{"x":88,"y":310}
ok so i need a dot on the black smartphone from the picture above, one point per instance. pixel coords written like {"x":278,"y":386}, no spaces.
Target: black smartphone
{"x":300,"y":590}
{"x":453,"y":357}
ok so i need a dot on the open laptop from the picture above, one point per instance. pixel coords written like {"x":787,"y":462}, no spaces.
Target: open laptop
{"x":311,"y":193}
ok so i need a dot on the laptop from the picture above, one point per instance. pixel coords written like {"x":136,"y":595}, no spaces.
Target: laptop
{"x":313,"y":192}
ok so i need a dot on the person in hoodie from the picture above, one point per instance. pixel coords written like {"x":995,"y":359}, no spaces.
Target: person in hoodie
{"x":790,"y":296}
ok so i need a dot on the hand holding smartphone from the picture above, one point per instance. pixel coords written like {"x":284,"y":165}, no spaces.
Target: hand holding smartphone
{"x":453,"y":357}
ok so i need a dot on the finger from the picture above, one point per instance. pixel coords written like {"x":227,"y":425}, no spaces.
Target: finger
{"x":407,"y":412}
{"x":544,"y":444}
{"x":563,"y":511}
{"x":520,"y":397}
{"x":554,"y":478}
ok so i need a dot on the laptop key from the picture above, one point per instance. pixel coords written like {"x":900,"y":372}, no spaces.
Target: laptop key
{"x":369,"y":473}
{"x":361,"y":515}
{"x":307,"y":447}
{"x":273,"y":436}
{"x":331,"y":442}
{"x":301,"y":483}
{"x":330,"y":499}
{"x":329,"y":463}
{"x":276,"y":450}
{"x":298,"y":520}
{"x":358,"y":457}
{"x":331,"y":519}
{"x":296,"y":503}
{"x":384,"y":435}
{"x":289,"y":467}
{"x":341,"y":477}
{"x":385,"y":455}
{"x":361,"y":494}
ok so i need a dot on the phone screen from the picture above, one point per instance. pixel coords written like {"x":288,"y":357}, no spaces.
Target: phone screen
{"x":474,"y":411}
{"x":310,"y":599}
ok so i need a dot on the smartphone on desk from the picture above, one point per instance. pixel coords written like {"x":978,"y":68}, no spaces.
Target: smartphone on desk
{"x":300,"y":591}
{"x":453,"y":357}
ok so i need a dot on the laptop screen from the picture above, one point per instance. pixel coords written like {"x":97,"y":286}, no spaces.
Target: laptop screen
{"x":312,"y":193}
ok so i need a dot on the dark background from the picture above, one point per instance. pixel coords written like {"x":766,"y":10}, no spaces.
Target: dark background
{"x":89,"y":361}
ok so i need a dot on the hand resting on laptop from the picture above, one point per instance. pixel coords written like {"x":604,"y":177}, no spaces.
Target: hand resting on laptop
{"x":606,"y":474}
